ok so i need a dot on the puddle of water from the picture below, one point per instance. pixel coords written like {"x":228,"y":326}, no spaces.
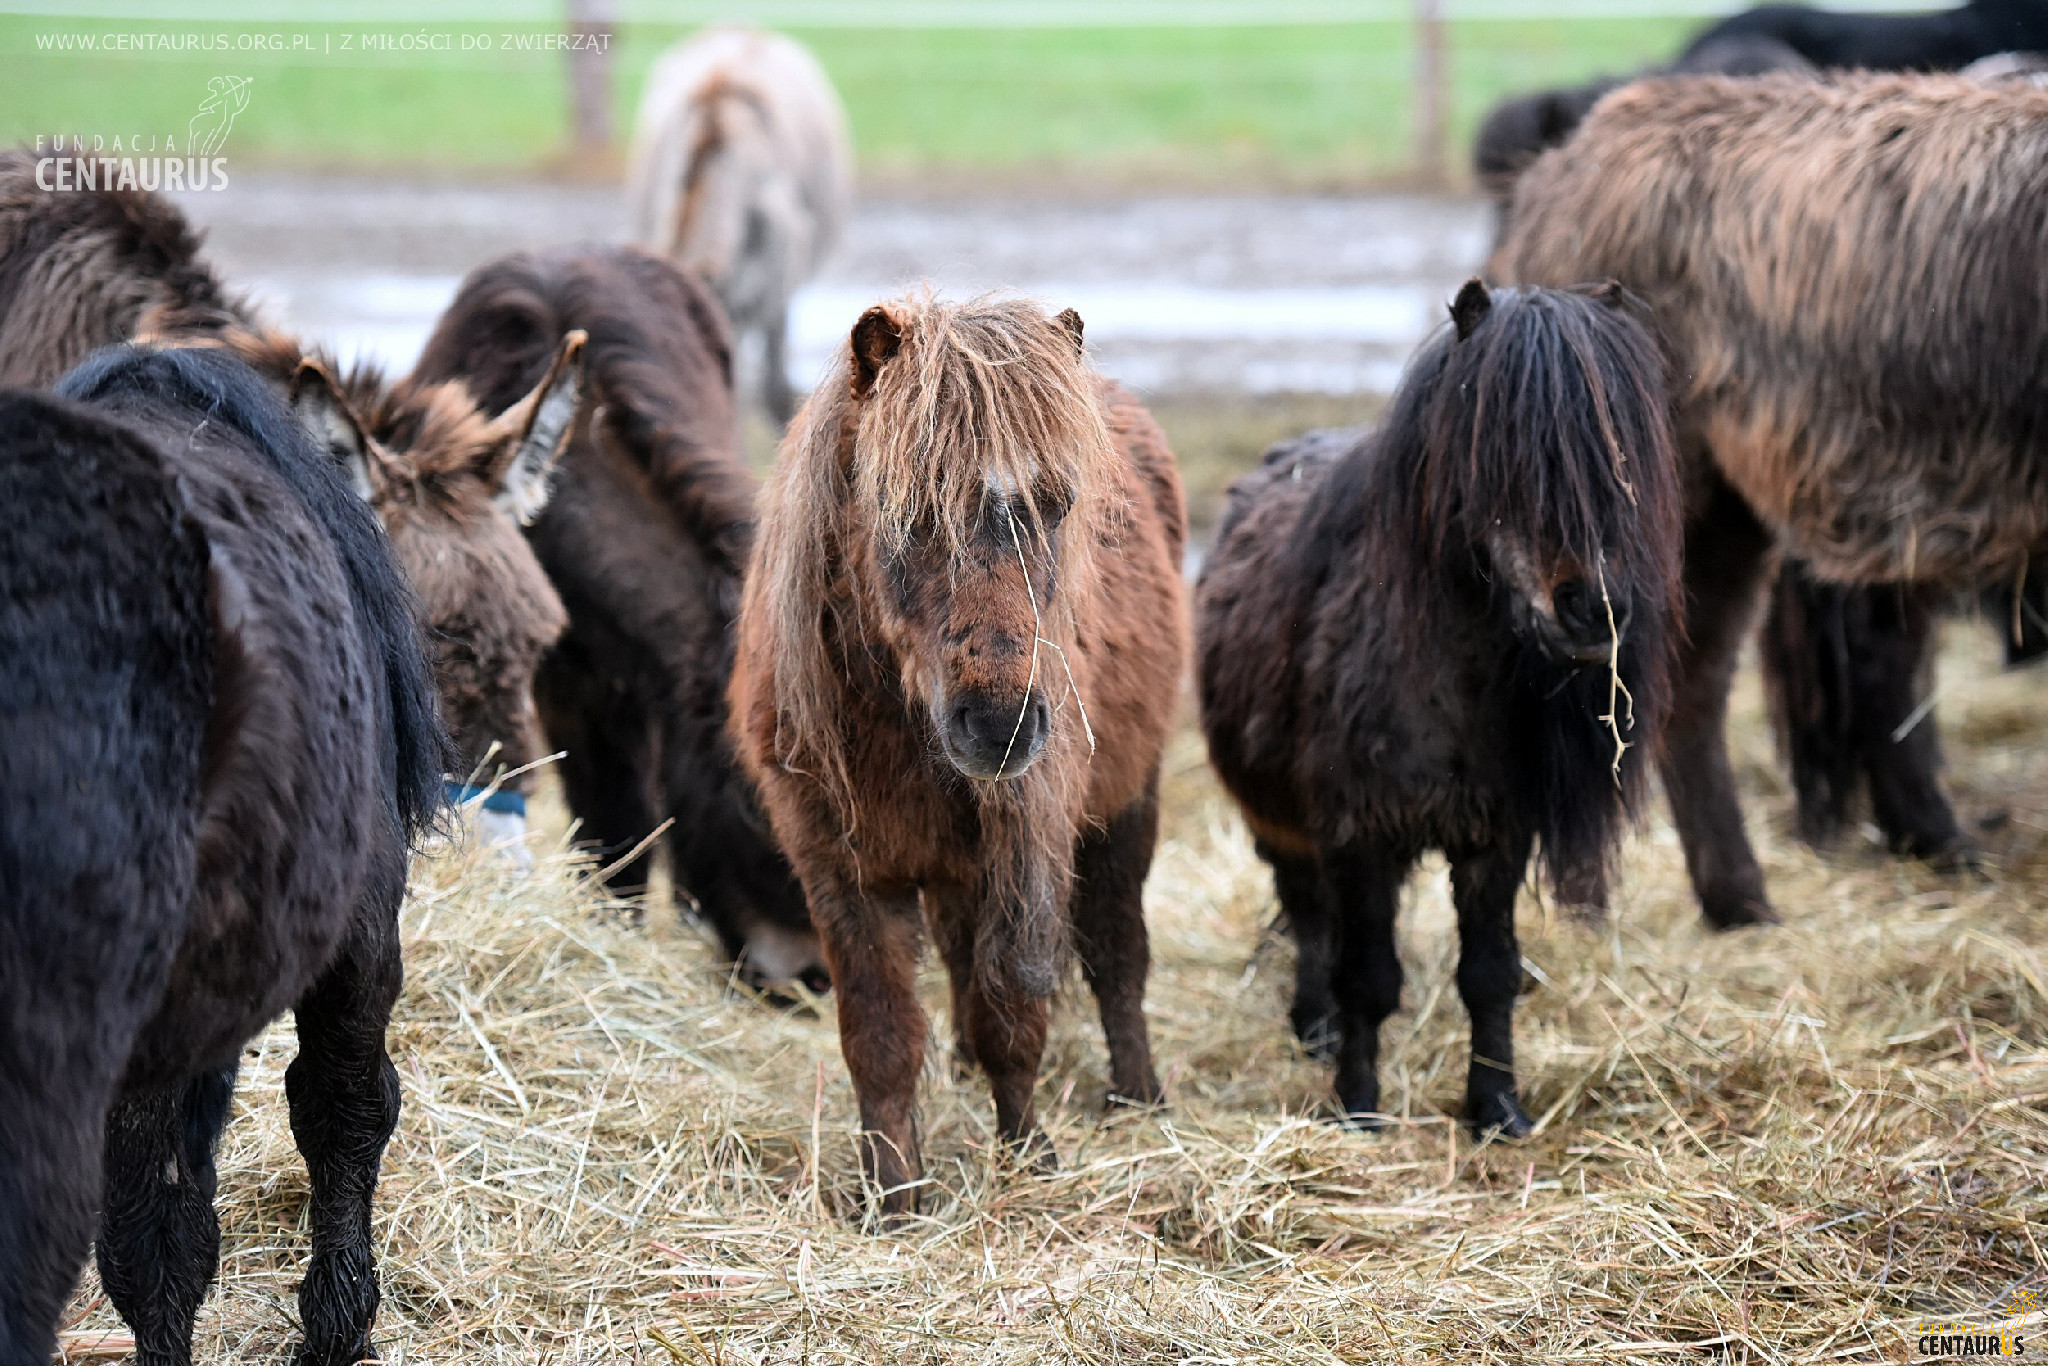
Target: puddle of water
{"x":1159,"y":337}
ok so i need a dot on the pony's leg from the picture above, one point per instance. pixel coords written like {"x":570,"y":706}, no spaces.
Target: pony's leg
{"x":1891,"y":674}
{"x":159,"y":1242}
{"x":1299,"y":884}
{"x":606,"y":765}
{"x":1727,"y":552}
{"x":1108,"y":913}
{"x":1001,"y":1025}
{"x":871,"y":947}
{"x":49,"y":1180}
{"x":1803,"y":652}
{"x":1483,"y":885}
{"x":952,"y":925}
{"x":344,"y":1097}
{"x":1364,"y":885}
{"x":775,"y":391}
{"x":1006,"y":1025}
{"x":1583,"y":890}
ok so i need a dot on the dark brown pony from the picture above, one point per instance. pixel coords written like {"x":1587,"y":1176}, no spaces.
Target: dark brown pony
{"x":1450,"y":633}
{"x":217,"y":741}
{"x":1521,"y":128}
{"x":80,"y":270}
{"x":645,"y":538}
{"x":960,"y":649}
{"x":1851,"y":275}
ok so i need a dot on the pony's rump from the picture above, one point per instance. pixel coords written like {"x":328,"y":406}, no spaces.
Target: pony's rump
{"x":1852,"y":276}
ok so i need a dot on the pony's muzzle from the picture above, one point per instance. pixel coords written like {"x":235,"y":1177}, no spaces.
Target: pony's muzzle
{"x":1586,"y":622}
{"x":989,"y":736}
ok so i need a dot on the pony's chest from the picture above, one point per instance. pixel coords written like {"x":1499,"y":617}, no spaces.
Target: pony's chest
{"x":915,"y":818}
{"x":1415,"y":745}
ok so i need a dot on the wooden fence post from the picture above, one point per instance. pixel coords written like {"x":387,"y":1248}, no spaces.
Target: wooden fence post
{"x":592,"y":33}
{"x":1430,"y":94}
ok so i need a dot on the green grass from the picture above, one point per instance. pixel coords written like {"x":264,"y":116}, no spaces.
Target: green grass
{"x":1297,"y":104}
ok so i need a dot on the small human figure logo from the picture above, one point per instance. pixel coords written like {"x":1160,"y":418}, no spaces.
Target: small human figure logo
{"x":226,"y":97}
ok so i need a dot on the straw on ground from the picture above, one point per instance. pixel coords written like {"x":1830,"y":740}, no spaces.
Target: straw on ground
{"x":1771,"y":1146}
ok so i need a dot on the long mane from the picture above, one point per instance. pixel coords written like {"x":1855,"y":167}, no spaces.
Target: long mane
{"x":213,"y":387}
{"x":1552,"y":420}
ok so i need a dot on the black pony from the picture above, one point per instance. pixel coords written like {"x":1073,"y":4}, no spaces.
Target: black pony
{"x":1945,"y":40}
{"x":1450,"y":634}
{"x":217,"y":744}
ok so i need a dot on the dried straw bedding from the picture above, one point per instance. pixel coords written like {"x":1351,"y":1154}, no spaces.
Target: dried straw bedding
{"x":1770,"y":1146}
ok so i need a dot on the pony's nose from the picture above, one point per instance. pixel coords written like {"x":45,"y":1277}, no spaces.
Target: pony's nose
{"x":1582,"y":612}
{"x":992,"y":737}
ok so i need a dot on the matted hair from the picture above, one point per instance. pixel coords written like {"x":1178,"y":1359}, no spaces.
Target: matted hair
{"x":988,"y":391}
{"x":955,"y":400}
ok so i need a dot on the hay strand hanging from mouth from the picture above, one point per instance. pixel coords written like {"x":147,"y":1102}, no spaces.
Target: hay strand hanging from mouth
{"x":1038,"y":640}
{"x":1617,"y":691}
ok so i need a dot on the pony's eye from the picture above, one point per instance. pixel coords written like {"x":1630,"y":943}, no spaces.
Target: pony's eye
{"x":1053,"y":507}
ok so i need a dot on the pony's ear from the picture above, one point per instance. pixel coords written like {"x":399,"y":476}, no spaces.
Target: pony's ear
{"x":317,"y":402}
{"x":1555,"y":119}
{"x":1071,"y":320}
{"x":1471,"y":306}
{"x":532,"y":432}
{"x":876,"y":338}
{"x":1609,"y":292}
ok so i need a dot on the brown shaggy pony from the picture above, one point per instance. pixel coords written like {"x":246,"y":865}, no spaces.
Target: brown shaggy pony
{"x":1449,"y":633}
{"x":645,"y":538}
{"x":960,"y":649}
{"x":80,"y":270}
{"x":1851,"y":276}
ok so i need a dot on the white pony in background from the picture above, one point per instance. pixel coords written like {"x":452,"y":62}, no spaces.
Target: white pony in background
{"x":742,"y":173}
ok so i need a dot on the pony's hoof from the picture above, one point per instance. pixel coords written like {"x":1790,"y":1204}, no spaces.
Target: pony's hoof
{"x":1590,"y":915}
{"x":1497,"y":1116}
{"x":367,"y":1354}
{"x":1318,"y":1034}
{"x":1958,"y":855}
{"x":1032,"y":1154}
{"x":1360,"y":1112}
{"x":1740,"y":912}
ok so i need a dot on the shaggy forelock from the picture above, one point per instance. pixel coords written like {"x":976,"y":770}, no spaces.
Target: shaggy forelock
{"x":1553,"y":417}
{"x":985,"y":391}
{"x":989,"y":392}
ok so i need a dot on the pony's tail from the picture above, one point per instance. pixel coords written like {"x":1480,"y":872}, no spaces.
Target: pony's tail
{"x":658,"y":161}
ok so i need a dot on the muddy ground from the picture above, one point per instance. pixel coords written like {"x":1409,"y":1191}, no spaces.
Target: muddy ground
{"x":1240,"y":319}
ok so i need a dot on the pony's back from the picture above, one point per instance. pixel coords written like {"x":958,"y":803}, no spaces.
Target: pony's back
{"x":658,"y":364}
{"x":176,"y":388}
{"x":86,"y":268}
{"x":677,"y":125}
{"x":1852,"y":274}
